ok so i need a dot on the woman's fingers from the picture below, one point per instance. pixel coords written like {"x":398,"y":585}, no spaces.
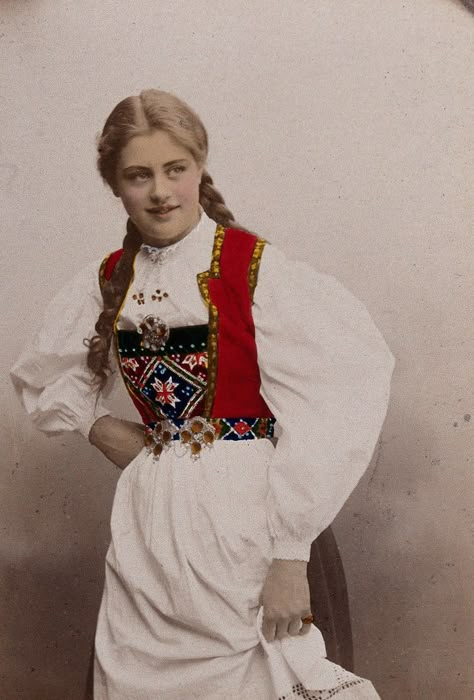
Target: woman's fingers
{"x":304,"y":629}
{"x":284,"y":627}
{"x":294,"y":626}
{"x":268,"y":629}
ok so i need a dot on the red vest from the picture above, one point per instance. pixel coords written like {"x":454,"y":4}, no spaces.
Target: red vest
{"x":228,"y":287}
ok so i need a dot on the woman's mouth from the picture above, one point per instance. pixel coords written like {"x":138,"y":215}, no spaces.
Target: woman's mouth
{"x":161,"y":211}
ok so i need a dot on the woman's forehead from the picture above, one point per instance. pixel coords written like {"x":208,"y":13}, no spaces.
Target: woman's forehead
{"x":154,"y":148}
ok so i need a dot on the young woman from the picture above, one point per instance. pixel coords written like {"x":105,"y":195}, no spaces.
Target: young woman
{"x":223,"y":344}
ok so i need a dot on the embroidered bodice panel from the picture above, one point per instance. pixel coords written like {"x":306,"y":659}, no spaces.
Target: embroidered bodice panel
{"x":170,"y":383}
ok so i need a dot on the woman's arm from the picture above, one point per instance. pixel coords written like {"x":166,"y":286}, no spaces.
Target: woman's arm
{"x":325,"y":372}
{"x":51,"y":376}
{"x":119,"y":440}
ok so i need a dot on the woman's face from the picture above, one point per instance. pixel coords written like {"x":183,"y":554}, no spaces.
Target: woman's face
{"x":158,"y":182}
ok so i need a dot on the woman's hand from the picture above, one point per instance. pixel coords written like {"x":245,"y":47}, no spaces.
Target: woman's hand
{"x":285,"y":599}
{"x":119,"y":440}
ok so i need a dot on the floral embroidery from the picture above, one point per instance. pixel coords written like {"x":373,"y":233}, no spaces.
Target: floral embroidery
{"x":196,"y":359}
{"x":130,"y":363}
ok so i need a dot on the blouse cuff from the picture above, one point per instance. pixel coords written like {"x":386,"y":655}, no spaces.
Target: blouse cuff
{"x":286,"y":548}
{"x":84,"y":426}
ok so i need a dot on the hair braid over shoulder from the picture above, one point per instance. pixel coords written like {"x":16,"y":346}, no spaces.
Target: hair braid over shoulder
{"x":213,"y":202}
{"x":113,"y":293}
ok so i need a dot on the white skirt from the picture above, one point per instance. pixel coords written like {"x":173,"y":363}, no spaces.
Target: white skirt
{"x":180,"y":617}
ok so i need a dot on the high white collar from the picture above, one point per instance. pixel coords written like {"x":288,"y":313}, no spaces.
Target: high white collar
{"x":204,"y":225}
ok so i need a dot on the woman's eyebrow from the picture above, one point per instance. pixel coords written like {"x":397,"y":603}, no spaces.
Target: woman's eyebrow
{"x":165,"y":165}
{"x":173,"y":162}
{"x":135,"y":167}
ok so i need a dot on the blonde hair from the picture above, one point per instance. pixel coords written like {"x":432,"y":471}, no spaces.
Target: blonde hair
{"x":136,"y":116}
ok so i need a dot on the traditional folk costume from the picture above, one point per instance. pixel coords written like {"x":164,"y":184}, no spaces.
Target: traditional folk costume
{"x":222,"y":344}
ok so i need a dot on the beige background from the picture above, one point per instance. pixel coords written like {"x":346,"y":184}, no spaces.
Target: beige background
{"x":340,"y":131}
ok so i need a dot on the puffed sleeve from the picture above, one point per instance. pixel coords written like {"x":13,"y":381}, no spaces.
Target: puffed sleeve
{"x":325,"y":374}
{"x":51,"y":376}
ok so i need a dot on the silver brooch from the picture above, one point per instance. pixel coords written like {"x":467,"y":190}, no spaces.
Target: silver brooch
{"x":160,"y":437}
{"x":154,"y":331}
{"x":195,"y":434}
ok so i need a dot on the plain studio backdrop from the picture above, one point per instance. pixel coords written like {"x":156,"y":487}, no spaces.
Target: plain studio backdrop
{"x":340,"y":131}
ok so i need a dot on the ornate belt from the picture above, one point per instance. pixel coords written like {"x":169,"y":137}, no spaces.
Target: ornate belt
{"x":197,"y":433}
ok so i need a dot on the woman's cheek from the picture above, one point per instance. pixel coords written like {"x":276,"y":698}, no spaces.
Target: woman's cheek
{"x":132,"y":198}
{"x":187,"y":189}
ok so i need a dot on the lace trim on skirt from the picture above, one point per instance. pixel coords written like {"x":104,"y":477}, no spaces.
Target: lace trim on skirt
{"x":299,"y":692}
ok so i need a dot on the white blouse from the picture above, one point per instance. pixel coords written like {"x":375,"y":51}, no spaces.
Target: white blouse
{"x":325,"y":371}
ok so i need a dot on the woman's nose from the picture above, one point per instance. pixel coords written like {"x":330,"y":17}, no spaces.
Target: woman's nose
{"x":159,"y":188}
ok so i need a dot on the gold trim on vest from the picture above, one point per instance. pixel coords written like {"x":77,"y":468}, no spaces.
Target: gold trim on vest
{"x":255,"y":265}
{"x":202,"y":279}
{"x":103,"y":264}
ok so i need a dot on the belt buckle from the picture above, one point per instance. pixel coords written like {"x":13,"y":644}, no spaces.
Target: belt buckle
{"x":196,"y":434}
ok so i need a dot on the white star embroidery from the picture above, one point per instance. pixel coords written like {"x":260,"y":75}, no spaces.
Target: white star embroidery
{"x":165,"y":391}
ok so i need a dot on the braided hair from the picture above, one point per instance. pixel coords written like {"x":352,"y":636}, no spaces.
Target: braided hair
{"x":136,"y":116}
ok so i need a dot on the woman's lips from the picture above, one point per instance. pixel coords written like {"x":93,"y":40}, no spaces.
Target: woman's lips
{"x":161,"y":211}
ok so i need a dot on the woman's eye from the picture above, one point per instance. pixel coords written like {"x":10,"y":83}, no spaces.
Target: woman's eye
{"x":178,"y":169}
{"x":138,"y":176}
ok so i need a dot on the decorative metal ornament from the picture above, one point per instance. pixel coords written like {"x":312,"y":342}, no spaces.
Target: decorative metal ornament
{"x":159,"y":295}
{"x":161,"y":437}
{"x":140,"y":299}
{"x":195,"y":434}
{"x":308,"y":619}
{"x":155,"y":333}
